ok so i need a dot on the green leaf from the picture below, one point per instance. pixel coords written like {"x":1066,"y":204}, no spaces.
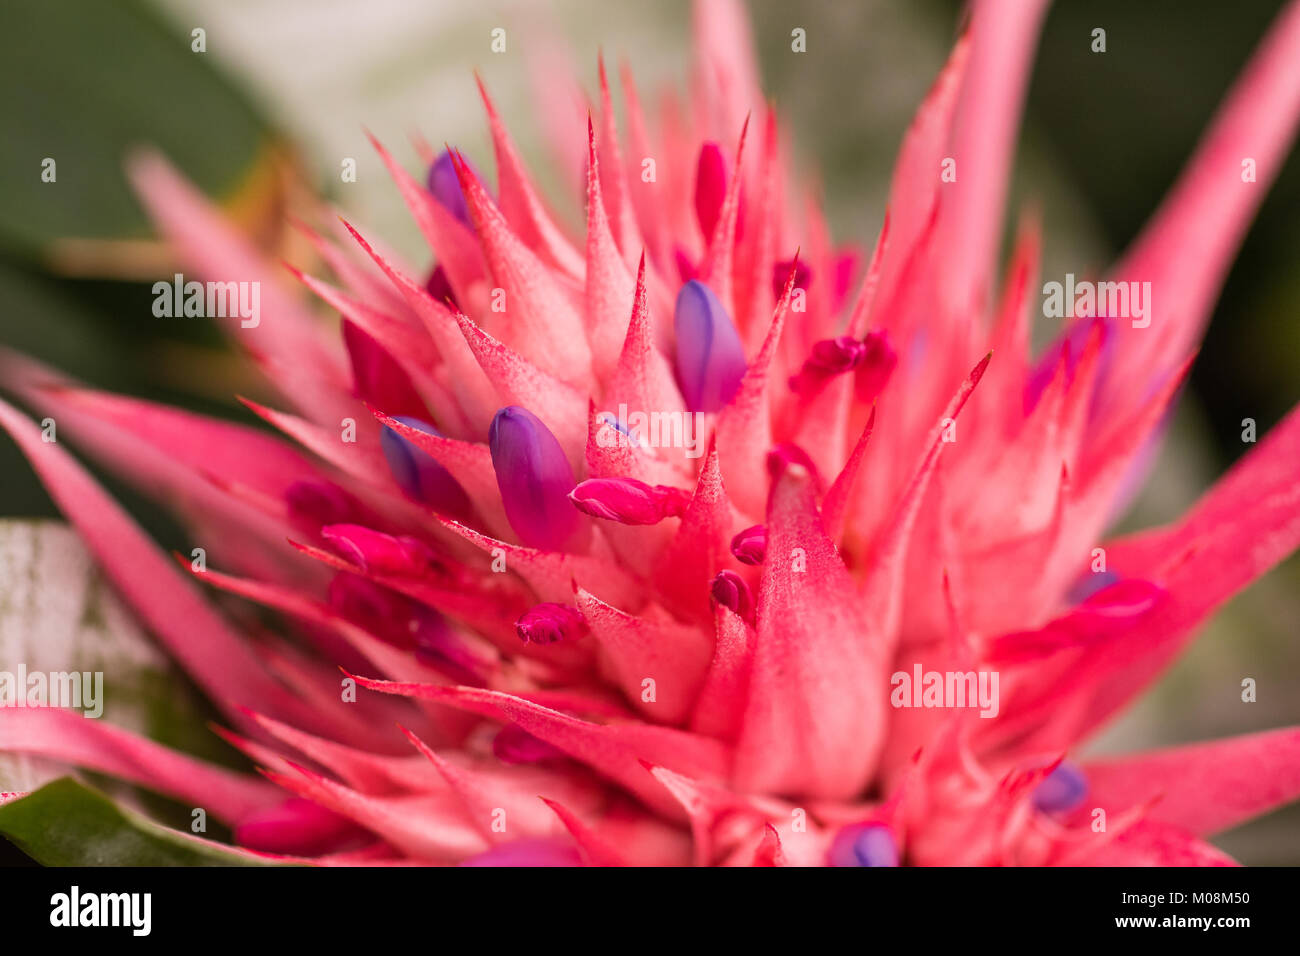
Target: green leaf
{"x":98,"y":79}
{"x":68,"y":824}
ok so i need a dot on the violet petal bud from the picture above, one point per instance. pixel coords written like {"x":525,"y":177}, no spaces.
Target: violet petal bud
{"x":535,"y":480}
{"x":419,"y":474}
{"x":445,"y":186}
{"x":863,"y":844}
{"x":710,"y":356}
{"x":1061,"y":790}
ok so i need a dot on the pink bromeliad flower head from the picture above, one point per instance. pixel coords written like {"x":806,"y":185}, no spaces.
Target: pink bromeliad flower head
{"x":731,"y":547}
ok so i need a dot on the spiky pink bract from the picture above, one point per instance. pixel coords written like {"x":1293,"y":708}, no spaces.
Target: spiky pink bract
{"x":695,"y":664}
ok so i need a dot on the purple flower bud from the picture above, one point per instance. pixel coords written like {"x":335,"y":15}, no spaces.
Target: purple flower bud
{"x":710,"y":188}
{"x":535,"y":480}
{"x":418,"y":474}
{"x":445,"y":186}
{"x":750,"y":545}
{"x":730,"y":590}
{"x":863,"y":844}
{"x":550,"y":622}
{"x":710,"y":357}
{"x":629,"y":501}
{"x":1061,"y":790}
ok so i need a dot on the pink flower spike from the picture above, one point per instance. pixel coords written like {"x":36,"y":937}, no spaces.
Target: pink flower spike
{"x":750,"y":546}
{"x":550,"y":623}
{"x":535,"y":480}
{"x":676,"y":688}
{"x":629,"y":501}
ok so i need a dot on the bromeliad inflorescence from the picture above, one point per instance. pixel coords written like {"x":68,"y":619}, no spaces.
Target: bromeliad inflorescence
{"x":690,"y":656}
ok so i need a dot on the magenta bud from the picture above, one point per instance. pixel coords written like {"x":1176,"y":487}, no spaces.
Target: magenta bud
{"x":730,"y":590}
{"x":514,"y":745}
{"x":710,"y":357}
{"x":875,"y":367}
{"x":781,"y":275}
{"x":838,"y":354}
{"x":417,"y":472}
{"x":444,"y":183}
{"x":377,"y":377}
{"x":829,"y":357}
{"x":550,"y":622}
{"x":313,"y":503}
{"x":382,"y":553}
{"x":535,"y":479}
{"x":629,"y":501}
{"x":710,"y":188}
{"x":296,"y":826}
{"x":439,"y":287}
{"x":750,"y":545}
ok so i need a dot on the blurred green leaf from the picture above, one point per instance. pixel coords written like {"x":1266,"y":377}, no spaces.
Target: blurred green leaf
{"x":88,"y":81}
{"x":67,"y":824}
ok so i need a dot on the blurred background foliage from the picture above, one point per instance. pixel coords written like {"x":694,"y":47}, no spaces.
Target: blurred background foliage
{"x":285,"y":88}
